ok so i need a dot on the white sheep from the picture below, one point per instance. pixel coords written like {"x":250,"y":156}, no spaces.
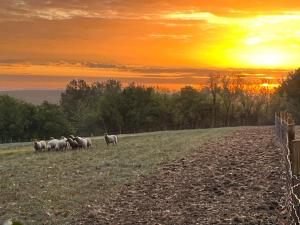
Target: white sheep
{"x":52,"y":144}
{"x":62,"y":144}
{"x":39,"y":145}
{"x":111,"y":139}
{"x":82,"y":142}
{"x":89,"y":142}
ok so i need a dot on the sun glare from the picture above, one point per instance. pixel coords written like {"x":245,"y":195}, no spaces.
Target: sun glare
{"x":253,"y":41}
{"x":266,"y":59}
{"x":270,"y":87}
{"x":263,"y":41}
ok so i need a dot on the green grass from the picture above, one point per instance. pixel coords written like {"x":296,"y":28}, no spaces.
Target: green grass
{"x":55,"y":187}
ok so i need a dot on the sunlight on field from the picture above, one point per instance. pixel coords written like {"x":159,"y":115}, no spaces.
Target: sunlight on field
{"x":13,"y":148}
{"x":15,"y":151}
{"x":55,"y":187}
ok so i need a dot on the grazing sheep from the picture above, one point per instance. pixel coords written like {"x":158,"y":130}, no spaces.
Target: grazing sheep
{"x":89,"y":142}
{"x":39,"y":145}
{"x":72,"y":143}
{"x":52,"y":144}
{"x":111,"y":139}
{"x":72,"y":137}
{"x":63,"y":138}
{"x":82,"y":142}
{"x":61,"y":144}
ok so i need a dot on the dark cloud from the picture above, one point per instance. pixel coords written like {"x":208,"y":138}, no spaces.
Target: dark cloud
{"x":142,"y":69}
{"x":133,"y":9}
{"x":147,"y":72}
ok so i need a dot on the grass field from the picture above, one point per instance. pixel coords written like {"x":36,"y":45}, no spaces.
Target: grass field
{"x":56,"y":187}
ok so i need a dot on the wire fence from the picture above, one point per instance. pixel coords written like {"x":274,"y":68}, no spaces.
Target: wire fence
{"x":14,"y":140}
{"x":285,"y":132}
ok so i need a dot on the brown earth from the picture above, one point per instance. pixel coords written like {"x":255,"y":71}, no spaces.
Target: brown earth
{"x":235,"y":180}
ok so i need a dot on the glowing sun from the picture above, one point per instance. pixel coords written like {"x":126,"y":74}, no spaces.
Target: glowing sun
{"x":265,"y":58}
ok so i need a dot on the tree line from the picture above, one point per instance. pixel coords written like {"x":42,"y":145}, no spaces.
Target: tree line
{"x":21,"y":121}
{"x":92,"y":109}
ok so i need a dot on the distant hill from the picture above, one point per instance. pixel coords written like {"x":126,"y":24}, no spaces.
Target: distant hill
{"x":35,"y":96}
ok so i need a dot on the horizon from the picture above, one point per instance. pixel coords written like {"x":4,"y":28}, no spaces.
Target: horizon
{"x":167,"y":44}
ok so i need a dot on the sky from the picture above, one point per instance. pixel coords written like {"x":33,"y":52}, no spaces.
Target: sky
{"x":165,"y":43}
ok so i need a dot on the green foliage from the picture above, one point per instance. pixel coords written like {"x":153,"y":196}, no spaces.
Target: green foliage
{"x":288,"y":95}
{"x":141,"y":109}
{"x":20,"y":121}
{"x":110,"y":103}
{"x":92,"y":109}
{"x":16,"y":222}
{"x":51,"y":121}
{"x":192,"y":108}
{"x":80,"y":105}
{"x":16,"y":118}
{"x":136,"y":108}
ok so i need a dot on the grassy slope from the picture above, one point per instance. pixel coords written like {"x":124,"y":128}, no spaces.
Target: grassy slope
{"x":53,"y":187}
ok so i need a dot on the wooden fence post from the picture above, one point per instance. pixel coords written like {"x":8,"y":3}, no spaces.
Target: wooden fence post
{"x":281,"y":129}
{"x":290,"y":138}
{"x":291,"y":135}
{"x":295,"y":157}
{"x":296,"y":171}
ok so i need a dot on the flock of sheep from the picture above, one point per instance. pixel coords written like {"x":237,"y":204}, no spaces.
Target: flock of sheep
{"x":70,"y":142}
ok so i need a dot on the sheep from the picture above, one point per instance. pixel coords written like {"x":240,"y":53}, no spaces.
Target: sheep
{"x":63,"y":138}
{"x":89,"y":142}
{"x":39,"y":145}
{"x":66,"y":140}
{"x":52,"y":144}
{"x":72,"y":137}
{"x":61,"y":144}
{"x":72,"y":143}
{"x":110,"y":139}
{"x":82,"y":142}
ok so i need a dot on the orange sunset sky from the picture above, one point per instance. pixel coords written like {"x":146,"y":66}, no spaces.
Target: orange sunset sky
{"x":169,"y":43}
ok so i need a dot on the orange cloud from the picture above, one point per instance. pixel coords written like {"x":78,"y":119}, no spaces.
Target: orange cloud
{"x":218,"y":34}
{"x":51,"y":75}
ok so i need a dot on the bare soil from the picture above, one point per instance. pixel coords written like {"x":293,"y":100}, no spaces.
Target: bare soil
{"x":235,"y":180}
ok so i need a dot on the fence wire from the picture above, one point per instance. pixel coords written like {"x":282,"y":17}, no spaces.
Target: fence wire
{"x":293,"y":181}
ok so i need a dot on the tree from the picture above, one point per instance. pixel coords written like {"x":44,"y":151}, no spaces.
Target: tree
{"x":214,"y":90}
{"x":289,"y":93}
{"x":230,"y":88}
{"x":51,"y":122}
{"x":23,"y":121}
{"x":110,"y":104}
{"x":81,"y":105}
{"x":16,"y":119}
{"x":141,"y":108}
{"x":192,"y":108}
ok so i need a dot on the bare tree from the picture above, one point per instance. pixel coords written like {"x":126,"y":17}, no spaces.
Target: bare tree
{"x":214,"y":88}
{"x":230,"y":87}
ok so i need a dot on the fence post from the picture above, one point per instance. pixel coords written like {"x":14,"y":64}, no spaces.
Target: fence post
{"x":290,"y":139}
{"x":296,"y":172}
{"x":277,"y":127}
{"x":280,"y":130}
{"x":295,"y":157}
{"x":286,"y":131}
{"x":291,"y":135}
